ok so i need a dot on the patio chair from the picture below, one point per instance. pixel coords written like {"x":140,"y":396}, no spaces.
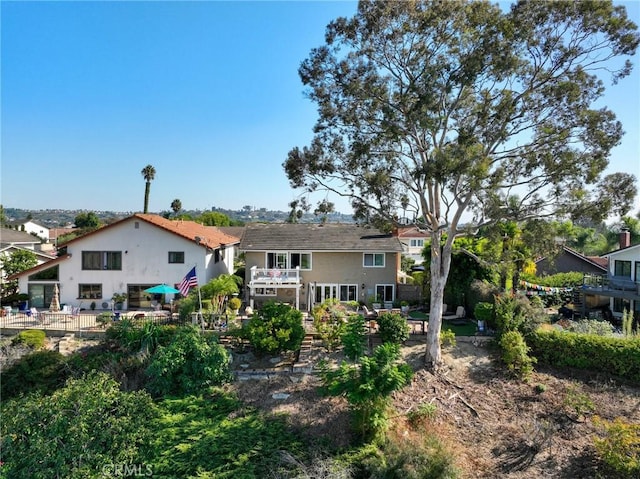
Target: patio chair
{"x":460,"y":314}
{"x":35,"y":314}
{"x":368,"y":314}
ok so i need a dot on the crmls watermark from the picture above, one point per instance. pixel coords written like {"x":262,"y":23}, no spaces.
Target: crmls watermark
{"x":127,"y":470}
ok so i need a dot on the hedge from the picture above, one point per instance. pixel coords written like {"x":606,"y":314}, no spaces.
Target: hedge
{"x":618,"y":356}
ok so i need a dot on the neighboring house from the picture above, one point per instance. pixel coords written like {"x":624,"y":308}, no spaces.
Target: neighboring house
{"x":129,"y":256}
{"x":413,"y":241}
{"x":31,"y":227}
{"x":304,"y":264}
{"x":621,"y":284}
{"x":569,"y":260}
{"x":11,"y":237}
{"x":55,"y":233}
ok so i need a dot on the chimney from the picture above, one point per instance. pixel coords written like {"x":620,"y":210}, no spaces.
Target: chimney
{"x":625,"y":238}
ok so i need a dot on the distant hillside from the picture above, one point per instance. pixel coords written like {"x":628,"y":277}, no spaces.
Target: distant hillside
{"x":55,"y":218}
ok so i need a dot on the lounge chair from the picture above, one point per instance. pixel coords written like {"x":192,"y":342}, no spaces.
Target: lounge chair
{"x":368,"y":314}
{"x":460,"y":314}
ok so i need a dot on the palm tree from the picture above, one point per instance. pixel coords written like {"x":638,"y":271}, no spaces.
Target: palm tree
{"x":149,"y":173}
{"x":176,"y":205}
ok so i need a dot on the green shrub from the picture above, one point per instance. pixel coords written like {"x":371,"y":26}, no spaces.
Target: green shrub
{"x":393,"y":328}
{"x":132,"y":335}
{"x":41,"y":371}
{"x":424,"y":457}
{"x":484,"y":312}
{"x":592,"y":326}
{"x":275,"y":328}
{"x":577,"y":403}
{"x":329,"y":321}
{"x":190,"y":363}
{"x":617,"y":356}
{"x":234,"y":304}
{"x":86,"y":427}
{"x":104,"y":318}
{"x":368,"y":386}
{"x":619,"y":446}
{"x":425,"y":411}
{"x":447,"y":338}
{"x":515,"y":354}
{"x":354,"y":338}
{"x":508,"y":316}
{"x":33,"y":338}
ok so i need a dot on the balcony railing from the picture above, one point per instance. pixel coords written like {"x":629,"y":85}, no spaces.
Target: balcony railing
{"x":610,"y":283}
{"x":274,"y":276}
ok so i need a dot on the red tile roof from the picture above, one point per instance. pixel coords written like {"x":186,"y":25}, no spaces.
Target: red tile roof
{"x":207,"y":236}
{"x":210,"y":236}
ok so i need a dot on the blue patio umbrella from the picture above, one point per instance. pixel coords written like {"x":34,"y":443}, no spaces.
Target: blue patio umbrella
{"x":161,"y":289}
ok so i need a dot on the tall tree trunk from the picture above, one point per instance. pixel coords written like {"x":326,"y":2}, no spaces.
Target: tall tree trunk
{"x":147,"y":188}
{"x":440,"y":265}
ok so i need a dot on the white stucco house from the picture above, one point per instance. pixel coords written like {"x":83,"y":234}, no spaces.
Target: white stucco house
{"x":31,"y":227}
{"x":413,"y":241}
{"x":129,"y":256}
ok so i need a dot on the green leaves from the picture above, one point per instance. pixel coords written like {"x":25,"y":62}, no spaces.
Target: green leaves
{"x":368,"y":386}
{"x":85,"y":426}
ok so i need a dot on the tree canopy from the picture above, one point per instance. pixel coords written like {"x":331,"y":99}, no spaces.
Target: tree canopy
{"x":441,"y":110}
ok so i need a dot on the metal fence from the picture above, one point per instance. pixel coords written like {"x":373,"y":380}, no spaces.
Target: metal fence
{"x":84,"y":323}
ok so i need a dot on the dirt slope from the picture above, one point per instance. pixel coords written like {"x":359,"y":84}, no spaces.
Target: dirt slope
{"x":496,"y":426}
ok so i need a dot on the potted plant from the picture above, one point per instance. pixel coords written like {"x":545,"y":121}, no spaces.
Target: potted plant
{"x":376,"y":302}
{"x":119,"y":299}
{"x":404,"y":307}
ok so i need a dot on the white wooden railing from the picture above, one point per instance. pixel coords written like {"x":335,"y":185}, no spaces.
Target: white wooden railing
{"x":274,"y":276}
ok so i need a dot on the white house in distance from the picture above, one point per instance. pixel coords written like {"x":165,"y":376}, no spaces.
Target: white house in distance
{"x":31,"y":227}
{"x":413,"y":241}
{"x":129,"y":256}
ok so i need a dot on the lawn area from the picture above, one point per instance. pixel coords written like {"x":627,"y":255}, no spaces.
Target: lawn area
{"x":468,"y":328}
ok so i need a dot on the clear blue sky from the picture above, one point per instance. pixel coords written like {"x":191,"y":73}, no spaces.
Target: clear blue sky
{"x":206,"y":92}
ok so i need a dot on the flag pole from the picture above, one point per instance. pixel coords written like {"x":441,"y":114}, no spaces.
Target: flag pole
{"x":199,"y":300}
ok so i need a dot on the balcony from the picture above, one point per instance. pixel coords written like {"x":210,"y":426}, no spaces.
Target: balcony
{"x":612,"y":286}
{"x":274,"y":276}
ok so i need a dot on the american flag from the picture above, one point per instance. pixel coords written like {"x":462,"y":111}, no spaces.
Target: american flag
{"x":189,"y":281}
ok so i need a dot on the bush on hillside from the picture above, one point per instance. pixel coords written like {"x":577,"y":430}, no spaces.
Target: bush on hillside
{"x":354,"y":338}
{"x":274,"y":328}
{"x":33,"y":338}
{"x":393,"y":328}
{"x":190,"y":363}
{"x":40,"y":371}
{"x":329,"y":321}
{"x":87,"y":426}
{"x":617,"y":356}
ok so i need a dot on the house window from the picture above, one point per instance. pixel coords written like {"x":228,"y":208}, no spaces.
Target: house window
{"x":325,"y":291}
{"x":622,"y":268}
{"x":301,"y":260}
{"x":637,"y":278}
{"x":265,"y":291}
{"x":90,"y":291}
{"x":95,"y":260}
{"x":46,"y":274}
{"x":417,"y":243}
{"x":373,"y":260}
{"x":384,"y":292}
{"x":176,"y":256}
{"x":348,"y":292}
{"x":216,"y":256}
{"x":277,"y":260}
{"x":620,"y":305}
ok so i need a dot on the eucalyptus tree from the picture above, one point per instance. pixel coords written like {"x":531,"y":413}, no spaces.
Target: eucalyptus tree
{"x":149,"y":174}
{"x":456,"y":110}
